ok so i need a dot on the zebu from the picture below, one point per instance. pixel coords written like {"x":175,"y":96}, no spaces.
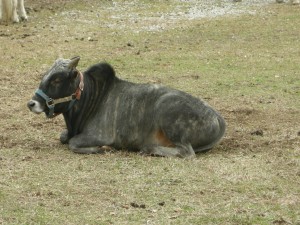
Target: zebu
{"x":9,"y":10}
{"x":102,"y":110}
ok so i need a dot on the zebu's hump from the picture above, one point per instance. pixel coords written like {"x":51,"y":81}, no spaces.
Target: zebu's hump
{"x":101,"y":71}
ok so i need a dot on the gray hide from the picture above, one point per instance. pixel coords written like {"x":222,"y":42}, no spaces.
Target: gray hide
{"x":151,"y":119}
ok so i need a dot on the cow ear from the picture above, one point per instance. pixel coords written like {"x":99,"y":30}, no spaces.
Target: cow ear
{"x":73,"y":74}
{"x":74,"y":62}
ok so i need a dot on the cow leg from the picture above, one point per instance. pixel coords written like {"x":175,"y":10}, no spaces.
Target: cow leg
{"x":179,"y":150}
{"x":21,"y":9}
{"x":15,"y":17}
{"x":87,"y":150}
{"x":0,"y":10}
{"x":85,"y":144}
{"x":5,"y":11}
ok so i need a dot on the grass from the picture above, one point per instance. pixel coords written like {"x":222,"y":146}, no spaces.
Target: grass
{"x":246,"y":66}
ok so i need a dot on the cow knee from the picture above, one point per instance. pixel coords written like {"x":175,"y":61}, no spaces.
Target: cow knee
{"x":78,"y":145}
{"x":64,"y":137}
{"x":75,"y":144}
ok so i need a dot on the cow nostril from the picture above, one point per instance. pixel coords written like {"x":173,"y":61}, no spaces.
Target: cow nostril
{"x":31,"y":104}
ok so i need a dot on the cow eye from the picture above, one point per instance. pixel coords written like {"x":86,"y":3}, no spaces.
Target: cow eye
{"x":56,"y":81}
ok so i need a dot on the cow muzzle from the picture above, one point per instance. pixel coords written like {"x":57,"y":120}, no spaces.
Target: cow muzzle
{"x":35,"y":106}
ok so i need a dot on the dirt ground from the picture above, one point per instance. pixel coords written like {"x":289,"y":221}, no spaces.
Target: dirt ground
{"x":244,"y":61}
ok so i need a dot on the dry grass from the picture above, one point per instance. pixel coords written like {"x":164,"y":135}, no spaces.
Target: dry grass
{"x":246,"y":66}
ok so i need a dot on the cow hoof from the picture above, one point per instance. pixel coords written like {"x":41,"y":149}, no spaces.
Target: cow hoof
{"x":16,"y":21}
{"x":24,"y":18}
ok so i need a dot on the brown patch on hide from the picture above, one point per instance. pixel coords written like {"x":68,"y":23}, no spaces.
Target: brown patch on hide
{"x":162,"y":139}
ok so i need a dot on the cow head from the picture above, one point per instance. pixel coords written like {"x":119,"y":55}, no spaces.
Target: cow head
{"x":58,"y":89}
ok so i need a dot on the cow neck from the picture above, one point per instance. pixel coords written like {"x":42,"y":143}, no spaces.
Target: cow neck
{"x":95,"y":90}
{"x":77,"y":116}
